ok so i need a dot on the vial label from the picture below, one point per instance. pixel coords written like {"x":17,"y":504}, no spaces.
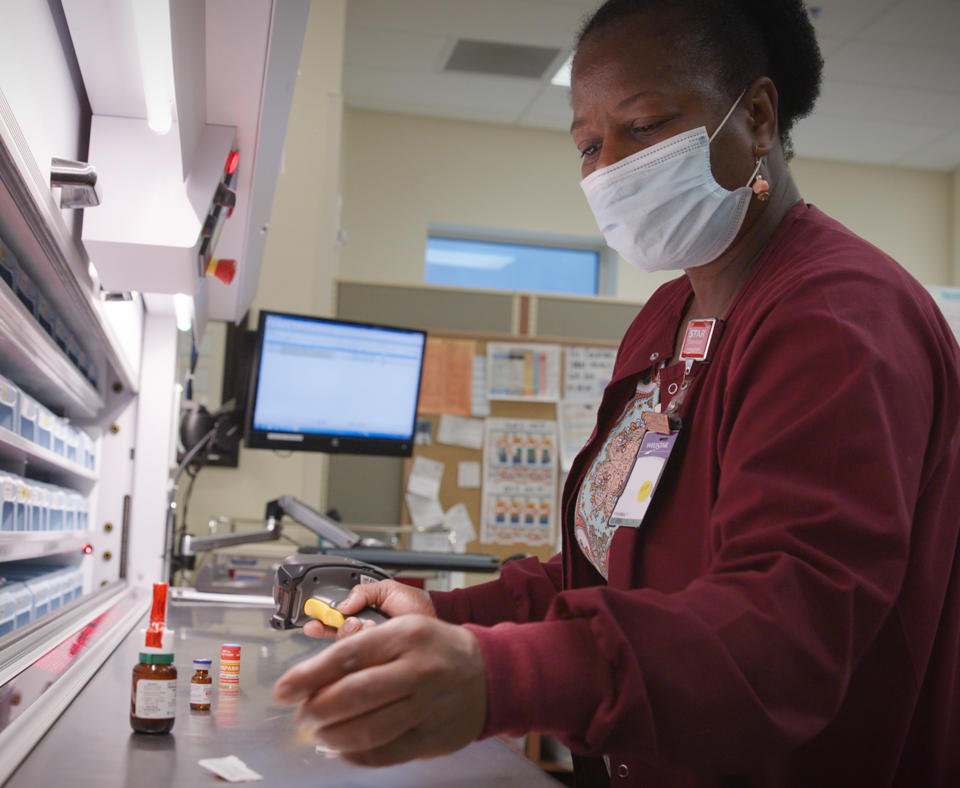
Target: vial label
{"x":200,"y":693}
{"x":156,"y":700}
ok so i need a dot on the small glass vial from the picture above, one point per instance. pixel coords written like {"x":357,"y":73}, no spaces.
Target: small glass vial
{"x":201,"y":686}
{"x":153,"y":697}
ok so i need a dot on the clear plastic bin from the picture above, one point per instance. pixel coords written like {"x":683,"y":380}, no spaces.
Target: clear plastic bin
{"x":73,"y":349}
{"x":72,"y":444}
{"x":41,"y":505}
{"x":41,"y":587}
{"x":9,"y":405}
{"x":45,"y":315}
{"x":24,"y":606}
{"x":26,"y":290}
{"x":45,"y":422}
{"x":55,"y":509}
{"x":8,"y":502}
{"x":23,"y":505}
{"x":60,"y":429}
{"x":9,"y":267}
{"x":70,"y":510}
{"x":60,"y":333}
{"x":38,"y":586}
{"x":36,"y":521}
{"x":27,"y":426}
{"x":83,"y":514}
{"x":8,"y":611}
{"x":89,"y":448}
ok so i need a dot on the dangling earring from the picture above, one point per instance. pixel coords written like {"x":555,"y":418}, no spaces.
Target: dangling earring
{"x":760,"y":186}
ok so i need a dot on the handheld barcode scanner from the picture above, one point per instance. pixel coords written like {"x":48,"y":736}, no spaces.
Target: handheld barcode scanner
{"x":308,"y":587}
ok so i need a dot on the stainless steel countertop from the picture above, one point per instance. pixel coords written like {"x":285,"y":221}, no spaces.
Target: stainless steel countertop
{"x":91,"y":744}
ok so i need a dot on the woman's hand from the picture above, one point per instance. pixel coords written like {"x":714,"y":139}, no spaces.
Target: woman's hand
{"x":389,"y":596}
{"x":412,"y":687}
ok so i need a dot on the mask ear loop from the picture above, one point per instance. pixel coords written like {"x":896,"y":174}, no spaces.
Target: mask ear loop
{"x":727,"y":116}
{"x":757,"y":183}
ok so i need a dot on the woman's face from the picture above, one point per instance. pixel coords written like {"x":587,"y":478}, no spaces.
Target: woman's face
{"x":633,"y":85}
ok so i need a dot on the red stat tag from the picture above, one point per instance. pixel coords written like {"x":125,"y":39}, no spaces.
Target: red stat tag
{"x":696,"y":342}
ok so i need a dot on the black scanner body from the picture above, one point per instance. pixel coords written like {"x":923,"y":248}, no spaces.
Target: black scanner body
{"x":326,"y":577}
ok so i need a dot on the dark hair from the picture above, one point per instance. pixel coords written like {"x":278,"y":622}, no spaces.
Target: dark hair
{"x":740,"y":41}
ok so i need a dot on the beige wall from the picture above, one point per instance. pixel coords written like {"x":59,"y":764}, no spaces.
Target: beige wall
{"x":300,"y":263}
{"x":956,"y":226}
{"x":402,"y":172}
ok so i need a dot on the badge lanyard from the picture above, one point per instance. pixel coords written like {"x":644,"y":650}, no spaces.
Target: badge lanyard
{"x":662,"y":430}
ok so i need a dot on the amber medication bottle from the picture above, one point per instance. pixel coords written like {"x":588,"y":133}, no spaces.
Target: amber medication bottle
{"x":201,"y":686}
{"x":153,"y":697}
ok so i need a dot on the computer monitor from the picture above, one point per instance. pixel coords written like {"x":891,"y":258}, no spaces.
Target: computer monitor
{"x":334,"y":386}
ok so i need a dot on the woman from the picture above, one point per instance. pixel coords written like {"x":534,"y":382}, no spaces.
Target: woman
{"x":782,"y":607}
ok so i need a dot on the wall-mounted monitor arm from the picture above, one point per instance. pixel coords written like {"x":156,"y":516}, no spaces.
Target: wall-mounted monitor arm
{"x":323,"y":526}
{"x":190,"y":545}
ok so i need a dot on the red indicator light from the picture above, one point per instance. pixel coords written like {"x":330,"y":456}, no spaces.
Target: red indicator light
{"x":232,"y":161}
{"x":87,"y":549}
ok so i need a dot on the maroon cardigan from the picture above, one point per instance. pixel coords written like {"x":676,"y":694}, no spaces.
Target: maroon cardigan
{"x":790,"y":610}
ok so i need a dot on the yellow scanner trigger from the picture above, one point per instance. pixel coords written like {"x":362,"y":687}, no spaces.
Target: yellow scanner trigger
{"x":321,"y":611}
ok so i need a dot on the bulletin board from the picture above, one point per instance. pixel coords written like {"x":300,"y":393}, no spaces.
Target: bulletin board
{"x":450,"y":492}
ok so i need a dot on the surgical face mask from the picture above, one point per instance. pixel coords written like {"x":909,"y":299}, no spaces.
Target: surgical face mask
{"x":662,"y":209}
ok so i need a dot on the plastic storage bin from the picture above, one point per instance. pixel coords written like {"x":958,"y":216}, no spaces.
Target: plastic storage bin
{"x":8,"y":502}
{"x":36,"y":519}
{"x":9,"y":405}
{"x":9,"y":267}
{"x":8,"y":611}
{"x":33,"y":578}
{"x":44,"y":434}
{"x":89,"y":449}
{"x":60,"y":333}
{"x":55,"y":509}
{"x":83,"y":513}
{"x":70,"y":510}
{"x":22,"y":494}
{"x":41,"y":505}
{"x":60,"y":429}
{"x":27,"y":426}
{"x":25,"y":610}
{"x":45,"y":314}
{"x":72,"y":444}
{"x":26,"y":290}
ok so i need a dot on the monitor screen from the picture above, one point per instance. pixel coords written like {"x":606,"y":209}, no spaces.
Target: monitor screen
{"x":334,"y":386}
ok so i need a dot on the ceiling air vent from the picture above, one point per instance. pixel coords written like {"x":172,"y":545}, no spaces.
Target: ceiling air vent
{"x":502,"y":60}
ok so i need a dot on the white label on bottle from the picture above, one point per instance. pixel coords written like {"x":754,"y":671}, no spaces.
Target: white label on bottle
{"x":156,"y":700}
{"x":201,"y":693}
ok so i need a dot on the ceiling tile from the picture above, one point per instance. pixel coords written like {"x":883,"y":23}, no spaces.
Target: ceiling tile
{"x":829,"y":44}
{"x":492,"y":99}
{"x":551,"y":110}
{"x":925,"y":68}
{"x":843,"y":18}
{"x":395,"y":49}
{"x":942,"y":154}
{"x":922,"y":23}
{"x":880,"y":103}
{"x":509,"y":21}
{"x":847,"y":139}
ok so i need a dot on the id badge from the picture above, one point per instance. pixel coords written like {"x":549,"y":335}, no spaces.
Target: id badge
{"x":647,"y":469}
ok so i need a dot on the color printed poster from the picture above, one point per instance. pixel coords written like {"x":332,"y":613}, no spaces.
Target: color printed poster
{"x":519,"y":482}
{"x":523,"y":371}
{"x":446,"y":383}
